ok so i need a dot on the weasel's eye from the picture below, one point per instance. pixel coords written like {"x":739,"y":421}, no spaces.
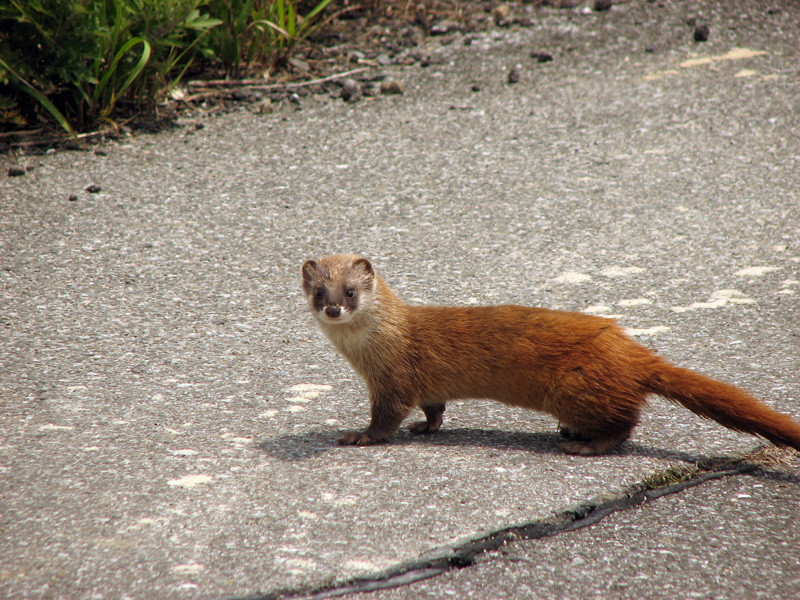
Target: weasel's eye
{"x":319,"y":293}
{"x":350,"y":293}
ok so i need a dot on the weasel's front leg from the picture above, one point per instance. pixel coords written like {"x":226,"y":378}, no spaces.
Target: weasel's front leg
{"x":388,"y":411}
{"x":433,"y":415}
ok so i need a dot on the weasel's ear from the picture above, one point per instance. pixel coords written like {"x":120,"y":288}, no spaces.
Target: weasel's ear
{"x":310,"y":270}
{"x":364,"y":265}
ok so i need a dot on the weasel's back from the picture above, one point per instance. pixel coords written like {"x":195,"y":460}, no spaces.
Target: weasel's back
{"x":515,"y":354}
{"x":488,"y":329}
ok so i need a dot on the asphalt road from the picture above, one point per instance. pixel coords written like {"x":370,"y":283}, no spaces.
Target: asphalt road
{"x":169,"y":410}
{"x":730,"y":538}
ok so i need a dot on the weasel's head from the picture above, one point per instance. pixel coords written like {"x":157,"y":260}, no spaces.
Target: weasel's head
{"x":338,"y":287}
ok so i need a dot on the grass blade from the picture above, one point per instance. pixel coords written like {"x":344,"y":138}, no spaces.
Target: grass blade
{"x":41,"y":99}
{"x":135,"y":71}
{"x":317,"y":9}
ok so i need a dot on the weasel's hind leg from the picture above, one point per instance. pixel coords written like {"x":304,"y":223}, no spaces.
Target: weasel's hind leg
{"x":433,"y":415}
{"x":569,"y":434}
{"x":596,"y":426}
{"x":599,"y":444}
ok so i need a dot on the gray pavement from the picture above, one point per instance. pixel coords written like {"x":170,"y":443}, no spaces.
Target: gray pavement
{"x":730,"y":538}
{"x":169,"y":410}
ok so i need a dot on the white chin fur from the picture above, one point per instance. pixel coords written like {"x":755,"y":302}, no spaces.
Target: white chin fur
{"x":344,"y":317}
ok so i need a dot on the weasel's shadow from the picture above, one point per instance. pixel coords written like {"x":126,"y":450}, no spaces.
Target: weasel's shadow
{"x":301,"y":447}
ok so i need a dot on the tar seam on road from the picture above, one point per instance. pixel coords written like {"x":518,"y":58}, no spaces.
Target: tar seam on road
{"x":445,"y":559}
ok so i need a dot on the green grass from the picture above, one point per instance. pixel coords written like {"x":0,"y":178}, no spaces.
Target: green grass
{"x":73,"y":62}
{"x":260,"y":31}
{"x":670,"y":476}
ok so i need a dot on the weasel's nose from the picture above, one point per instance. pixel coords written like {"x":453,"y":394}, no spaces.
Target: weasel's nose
{"x":333,"y":312}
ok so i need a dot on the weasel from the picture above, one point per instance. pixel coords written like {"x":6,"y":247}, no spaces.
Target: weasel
{"x":582,"y":369}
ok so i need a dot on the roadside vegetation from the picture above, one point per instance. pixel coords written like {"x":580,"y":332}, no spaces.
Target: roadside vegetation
{"x":82,"y":63}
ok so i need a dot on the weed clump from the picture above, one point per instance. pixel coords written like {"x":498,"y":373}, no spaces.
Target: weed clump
{"x":76,"y":61}
{"x":670,"y":476}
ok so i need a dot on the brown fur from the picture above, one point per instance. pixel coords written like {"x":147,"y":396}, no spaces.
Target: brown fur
{"x":583,"y":370}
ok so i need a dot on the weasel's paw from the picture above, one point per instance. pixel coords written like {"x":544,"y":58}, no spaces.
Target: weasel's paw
{"x":579,"y":448}
{"x":421,"y":427}
{"x":359,"y":438}
{"x":597,"y":445}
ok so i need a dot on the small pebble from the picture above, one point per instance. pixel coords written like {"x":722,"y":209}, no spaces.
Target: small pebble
{"x":542,"y":57}
{"x":392,"y":86}
{"x":299,"y":64}
{"x":93,"y":189}
{"x":16,"y":172}
{"x":265,"y":107}
{"x":513,"y":74}
{"x":501,"y":12}
{"x":601,"y":5}
{"x":351,"y":91}
{"x":701,"y":33}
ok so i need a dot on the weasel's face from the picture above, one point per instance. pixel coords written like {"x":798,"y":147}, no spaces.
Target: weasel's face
{"x":337,"y":287}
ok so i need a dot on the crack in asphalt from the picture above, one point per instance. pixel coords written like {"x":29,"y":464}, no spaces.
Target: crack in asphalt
{"x":444,"y":559}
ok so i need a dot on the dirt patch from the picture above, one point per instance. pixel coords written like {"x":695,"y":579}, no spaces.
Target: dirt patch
{"x":341,"y":60}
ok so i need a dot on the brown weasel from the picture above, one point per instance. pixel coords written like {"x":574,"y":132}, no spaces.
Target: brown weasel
{"x":583,"y":370}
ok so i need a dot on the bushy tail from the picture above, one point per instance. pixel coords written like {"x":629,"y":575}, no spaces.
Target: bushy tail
{"x":724,"y":403}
